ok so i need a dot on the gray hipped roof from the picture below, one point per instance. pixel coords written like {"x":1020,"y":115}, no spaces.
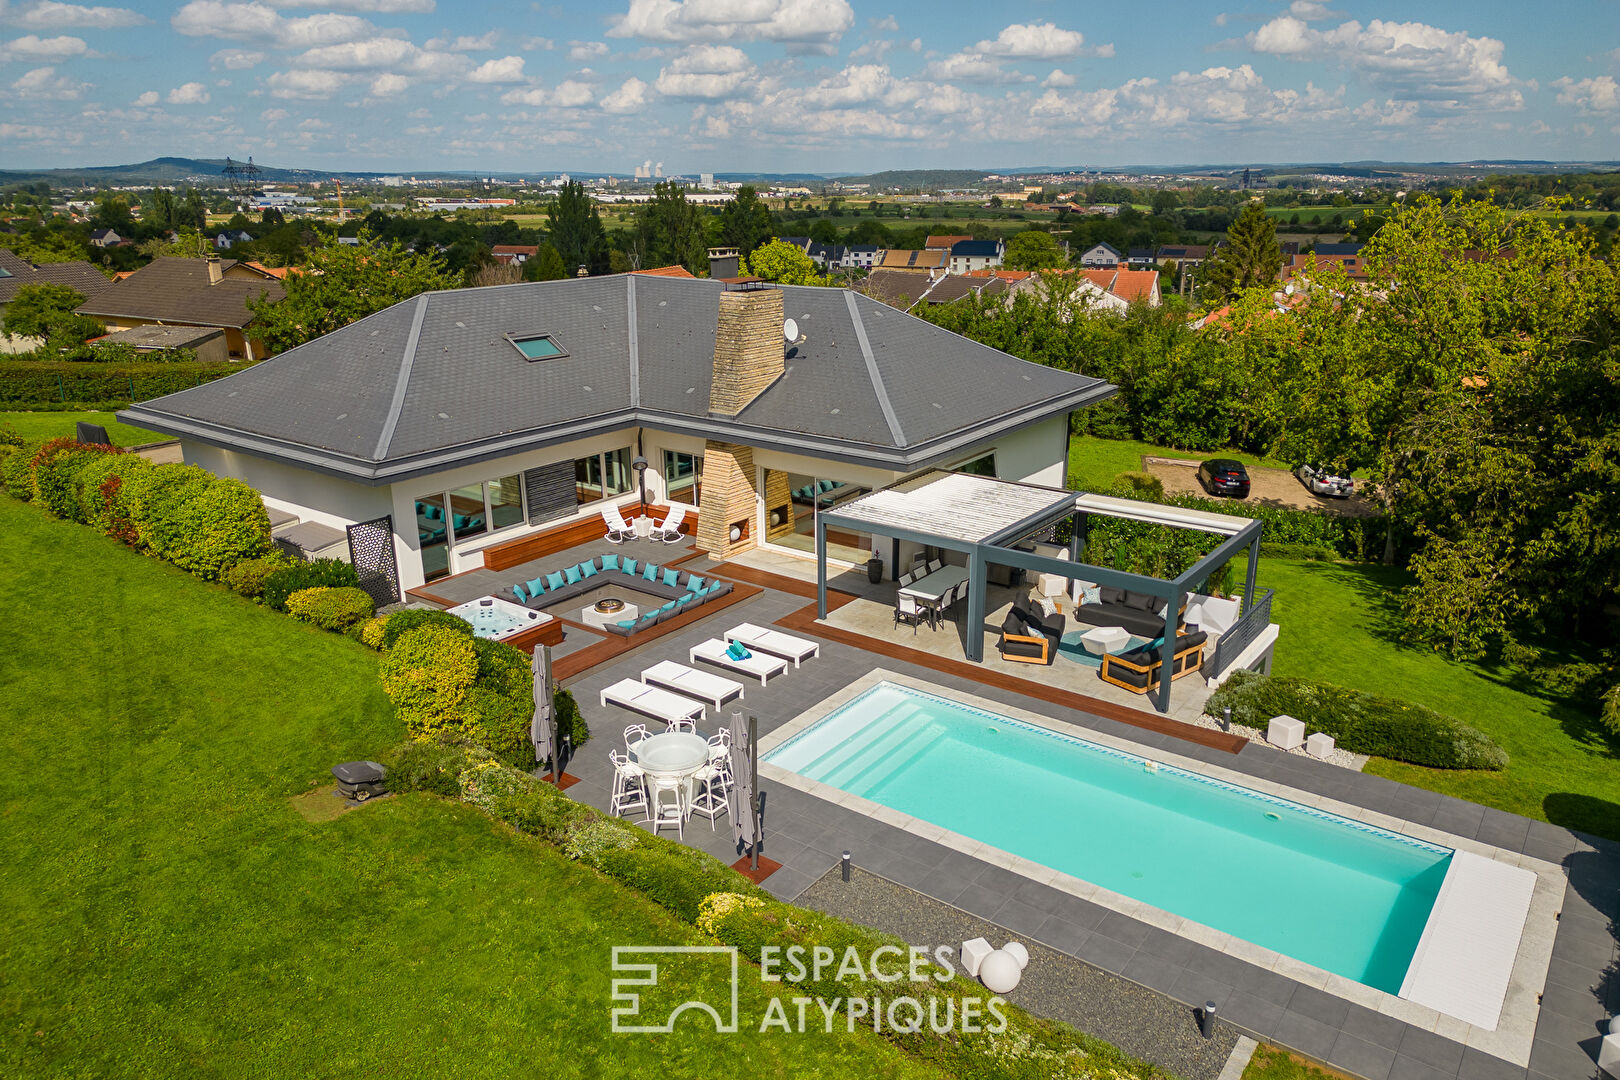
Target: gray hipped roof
{"x":435,"y":382}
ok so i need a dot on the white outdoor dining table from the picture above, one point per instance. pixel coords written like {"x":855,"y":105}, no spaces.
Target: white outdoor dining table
{"x":934,"y":586}
{"x":673,"y":755}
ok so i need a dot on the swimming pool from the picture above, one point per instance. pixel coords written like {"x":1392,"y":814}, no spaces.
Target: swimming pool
{"x":1335,"y":893}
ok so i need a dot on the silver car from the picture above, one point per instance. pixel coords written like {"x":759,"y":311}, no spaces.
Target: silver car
{"x":1320,"y":481}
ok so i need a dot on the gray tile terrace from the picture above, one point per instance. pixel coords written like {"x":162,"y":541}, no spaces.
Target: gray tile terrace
{"x":806,"y":835}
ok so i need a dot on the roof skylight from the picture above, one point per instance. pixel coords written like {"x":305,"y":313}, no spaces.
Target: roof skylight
{"x":538,"y":347}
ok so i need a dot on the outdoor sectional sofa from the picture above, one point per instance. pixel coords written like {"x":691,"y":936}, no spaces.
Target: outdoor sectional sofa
{"x":1141,"y":669}
{"x":681,"y":590}
{"x":1137,"y":612}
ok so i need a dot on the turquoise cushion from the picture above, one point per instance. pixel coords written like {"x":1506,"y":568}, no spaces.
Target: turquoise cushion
{"x":737,"y":651}
{"x":669,"y":605}
{"x":555,"y":581}
{"x":610,"y":562}
{"x":517,"y":591}
{"x":629,"y":567}
{"x":587,"y":569}
{"x":626,"y":624}
{"x":534,"y":586}
{"x":695,"y":584}
{"x":650,"y":572}
{"x":672,"y":577}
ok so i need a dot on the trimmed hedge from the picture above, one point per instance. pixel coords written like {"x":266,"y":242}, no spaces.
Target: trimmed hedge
{"x":98,"y":499}
{"x":56,"y":466}
{"x":17,"y":470}
{"x":223,"y":524}
{"x":247,"y":577}
{"x":28,"y":382}
{"x":427,"y":675}
{"x":411,"y":618}
{"x":297,"y":574}
{"x":330,"y":608}
{"x":1359,"y":722}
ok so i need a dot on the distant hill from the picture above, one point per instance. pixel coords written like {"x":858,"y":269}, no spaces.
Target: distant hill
{"x":928,"y":178}
{"x":163,"y":170}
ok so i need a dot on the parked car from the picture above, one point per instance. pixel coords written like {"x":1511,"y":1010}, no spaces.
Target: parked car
{"x":1322,"y":481}
{"x":1223,"y":476}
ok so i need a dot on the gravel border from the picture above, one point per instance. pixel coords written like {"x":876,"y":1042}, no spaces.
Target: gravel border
{"x":1141,"y":1022}
{"x":1337,"y":756}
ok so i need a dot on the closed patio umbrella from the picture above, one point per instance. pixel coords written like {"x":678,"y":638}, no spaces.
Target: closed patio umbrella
{"x":542,"y":732}
{"x":741,"y":796}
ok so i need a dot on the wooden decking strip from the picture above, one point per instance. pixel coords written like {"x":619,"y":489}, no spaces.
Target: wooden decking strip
{"x":804,"y":621}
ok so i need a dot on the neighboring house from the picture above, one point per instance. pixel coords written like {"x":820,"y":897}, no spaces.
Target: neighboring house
{"x":209,"y":345}
{"x":826,"y":256}
{"x":1337,"y":250}
{"x":1101,"y":255}
{"x":970,"y":255}
{"x":16,"y":272}
{"x":105,"y":238}
{"x":800,"y":242}
{"x":1185,"y":255}
{"x":227,"y":240}
{"x":905,"y":289}
{"x":862,"y":256}
{"x":936,"y":262}
{"x":1295,"y":265}
{"x":515,"y":408}
{"x":1122,"y":287}
{"x":211,"y":292}
{"x":514,"y":254}
{"x":943,"y":243}
{"x":1140,"y":258}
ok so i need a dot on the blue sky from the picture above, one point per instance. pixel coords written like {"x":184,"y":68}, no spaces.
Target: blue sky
{"x":803,"y":85}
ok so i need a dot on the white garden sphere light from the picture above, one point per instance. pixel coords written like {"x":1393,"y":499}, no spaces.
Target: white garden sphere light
{"x":1016,"y":950}
{"x":1000,"y":972}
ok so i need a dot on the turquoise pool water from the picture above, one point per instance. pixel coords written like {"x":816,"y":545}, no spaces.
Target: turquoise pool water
{"x":1335,"y":893}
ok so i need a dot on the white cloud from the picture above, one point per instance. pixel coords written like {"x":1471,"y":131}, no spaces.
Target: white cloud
{"x":816,"y":24}
{"x":370,"y":7}
{"x":50,"y":15}
{"x":146,"y":100}
{"x":1058,"y":77}
{"x":508,"y":69}
{"x":1410,"y":60}
{"x":256,"y":21}
{"x":236,"y":59}
{"x":1596,"y":95}
{"x":306,"y":84}
{"x":46,"y":84}
{"x":973,"y":67}
{"x":628,"y":98}
{"x":33,"y":47}
{"x":537,"y":44}
{"x":572,"y":94}
{"x":191,"y":93}
{"x":586,"y":51}
{"x":1033,"y":41}
{"x":361,"y":55}
{"x":271,"y":117}
{"x":465,"y":43}
{"x":706,"y":72}
{"x":1308,"y":9}
{"x":888,"y":24}
{"x":388,"y":84}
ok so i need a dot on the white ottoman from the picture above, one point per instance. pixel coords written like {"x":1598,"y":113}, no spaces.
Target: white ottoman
{"x":1609,"y":1055}
{"x":1285,"y":731}
{"x":973,"y":954}
{"x":1105,"y":639}
{"x":1319,"y":745}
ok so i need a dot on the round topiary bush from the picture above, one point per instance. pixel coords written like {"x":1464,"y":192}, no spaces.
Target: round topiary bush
{"x":427,"y":674}
{"x":1141,"y":485}
{"x":411,"y":618}
{"x":222,"y":523}
{"x":247,"y":577}
{"x":330,"y":608}
{"x":296,"y":574}
{"x":158,"y":507}
{"x":371,"y":632}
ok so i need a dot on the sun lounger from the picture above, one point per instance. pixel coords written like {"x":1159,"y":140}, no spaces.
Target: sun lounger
{"x":758,"y":665}
{"x":704,"y":685}
{"x":775,"y":642}
{"x":653,"y":701}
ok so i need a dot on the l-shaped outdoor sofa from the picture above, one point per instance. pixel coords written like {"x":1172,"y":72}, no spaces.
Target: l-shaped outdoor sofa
{"x":683,"y":591}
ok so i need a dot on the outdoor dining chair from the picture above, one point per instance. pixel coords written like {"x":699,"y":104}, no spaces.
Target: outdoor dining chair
{"x":684,"y":723}
{"x":906,"y":609}
{"x":629,"y":786}
{"x":634,"y":734}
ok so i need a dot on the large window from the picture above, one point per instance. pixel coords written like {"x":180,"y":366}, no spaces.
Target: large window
{"x":603,"y":475}
{"x":445,"y":518}
{"x":683,"y":477}
{"x":980,"y":466}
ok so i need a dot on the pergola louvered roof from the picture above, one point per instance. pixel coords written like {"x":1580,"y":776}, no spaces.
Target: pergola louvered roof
{"x":954,"y":506}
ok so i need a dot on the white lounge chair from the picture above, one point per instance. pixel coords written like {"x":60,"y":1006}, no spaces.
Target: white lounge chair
{"x":775,"y":642}
{"x":758,"y":665}
{"x":653,"y":701}
{"x":618,"y":530}
{"x":704,"y":685}
{"x":670,"y":530}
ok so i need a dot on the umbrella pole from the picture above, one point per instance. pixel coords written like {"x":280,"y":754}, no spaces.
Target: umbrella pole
{"x":753,"y":796}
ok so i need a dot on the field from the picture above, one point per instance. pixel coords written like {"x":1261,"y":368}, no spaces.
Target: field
{"x":51,"y":425}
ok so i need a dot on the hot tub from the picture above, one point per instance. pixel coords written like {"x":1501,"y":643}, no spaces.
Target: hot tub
{"x":497,"y":619}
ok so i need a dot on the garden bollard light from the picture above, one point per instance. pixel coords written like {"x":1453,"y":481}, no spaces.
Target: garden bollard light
{"x":1206,"y":1020}
{"x":1226,"y":718}
{"x":845,"y":865}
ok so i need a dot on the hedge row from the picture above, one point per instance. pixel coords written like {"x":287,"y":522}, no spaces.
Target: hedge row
{"x":1359,"y":722}
{"x":29,"y":382}
{"x":723,"y":904}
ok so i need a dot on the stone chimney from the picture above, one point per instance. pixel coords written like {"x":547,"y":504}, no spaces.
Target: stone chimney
{"x":749,"y":353}
{"x":216,"y":273}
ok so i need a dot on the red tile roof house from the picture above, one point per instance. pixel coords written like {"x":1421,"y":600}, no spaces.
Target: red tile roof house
{"x":514,"y":254}
{"x":522,"y":408}
{"x":211,"y":292}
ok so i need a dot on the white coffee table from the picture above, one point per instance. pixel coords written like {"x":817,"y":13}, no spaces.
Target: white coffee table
{"x":1104,"y":639}
{"x":591,"y":617}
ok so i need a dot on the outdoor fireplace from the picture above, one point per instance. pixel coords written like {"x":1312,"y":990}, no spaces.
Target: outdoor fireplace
{"x":609,"y":605}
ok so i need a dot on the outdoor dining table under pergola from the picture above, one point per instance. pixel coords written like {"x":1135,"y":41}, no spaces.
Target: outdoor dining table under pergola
{"x":984,"y":518}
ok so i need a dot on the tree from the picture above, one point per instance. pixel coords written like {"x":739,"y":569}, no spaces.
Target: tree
{"x":745,"y":221}
{"x":576,"y":229}
{"x":1165,"y":201}
{"x":784,"y":264}
{"x":1033,"y":249}
{"x":343,"y":283}
{"x":112,"y":212}
{"x":272,"y":218}
{"x":995,"y":201}
{"x":160,"y":209}
{"x":823,"y":231}
{"x":36,"y":310}
{"x":669,"y":230}
{"x":1249,"y":258}
{"x":546,"y":266}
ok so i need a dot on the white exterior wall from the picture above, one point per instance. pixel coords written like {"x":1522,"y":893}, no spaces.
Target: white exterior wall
{"x":311,"y":495}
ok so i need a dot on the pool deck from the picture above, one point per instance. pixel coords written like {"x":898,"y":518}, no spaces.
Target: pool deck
{"x":806,"y":833}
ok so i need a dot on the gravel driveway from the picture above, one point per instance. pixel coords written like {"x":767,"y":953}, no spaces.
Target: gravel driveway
{"x":1267,"y":487}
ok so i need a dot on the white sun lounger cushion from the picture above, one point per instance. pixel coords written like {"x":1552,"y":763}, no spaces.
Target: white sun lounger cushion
{"x":694,"y":683}
{"x":654,"y":701}
{"x":758,"y":665}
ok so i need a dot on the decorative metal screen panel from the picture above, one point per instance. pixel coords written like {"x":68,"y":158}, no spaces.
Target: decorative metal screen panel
{"x":550,"y":491}
{"x":1232,"y":643}
{"x":371,"y":550}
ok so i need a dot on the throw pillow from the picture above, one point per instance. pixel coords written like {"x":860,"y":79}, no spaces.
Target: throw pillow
{"x":522,"y":597}
{"x":672,"y":578}
{"x":587,"y":569}
{"x":534,"y":586}
{"x":629,"y":567}
{"x":571,"y":575}
{"x":1090,"y":593}
{"x":650,"y":572}
{"x":668,"y":606}
{"x":1111,"y":595}
{"x":554,"y":581}
{"x":610,"y":562}
{"x":1140,"y":601}
{"x":626,"y":624}
{"x":694,"y":584}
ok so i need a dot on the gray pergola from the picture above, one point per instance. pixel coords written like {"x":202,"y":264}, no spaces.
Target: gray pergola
{"x":983,"y":518}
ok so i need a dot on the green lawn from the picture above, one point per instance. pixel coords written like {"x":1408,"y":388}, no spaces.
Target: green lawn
{"x":1274,"y":1063}
{"x":49,"y":425}
{"x":1339,"y":624}
{"x":1094,"y":462}
{"x":169,"y":913}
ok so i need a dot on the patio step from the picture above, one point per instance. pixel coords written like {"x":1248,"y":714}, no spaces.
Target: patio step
{"x":280,"y":519}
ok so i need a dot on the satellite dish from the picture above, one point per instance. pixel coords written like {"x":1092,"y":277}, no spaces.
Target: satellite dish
{"x":790,"y":331}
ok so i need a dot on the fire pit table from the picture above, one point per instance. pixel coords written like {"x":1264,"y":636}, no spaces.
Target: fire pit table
{"x":607,"y":610}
